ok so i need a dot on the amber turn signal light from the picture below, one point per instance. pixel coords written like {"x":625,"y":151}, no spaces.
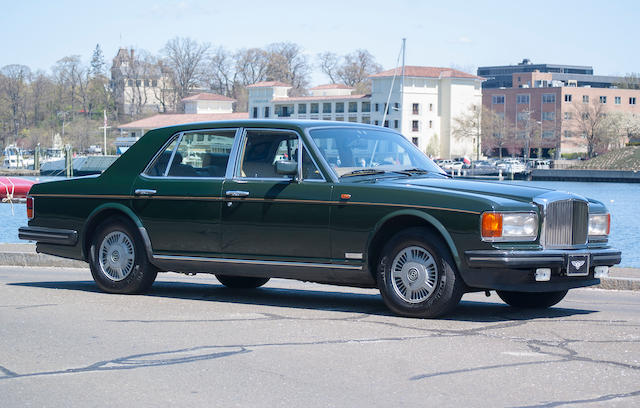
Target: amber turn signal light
{"x":30,"y":208}
{"x":491,"y":225}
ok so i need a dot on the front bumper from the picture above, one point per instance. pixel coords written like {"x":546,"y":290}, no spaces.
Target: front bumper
{"x":48,"y":235}
{"x":514,"y":270}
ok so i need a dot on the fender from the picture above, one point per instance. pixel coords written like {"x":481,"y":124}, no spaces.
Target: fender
{"x":426,"y":217}
{"x":126,"y":211}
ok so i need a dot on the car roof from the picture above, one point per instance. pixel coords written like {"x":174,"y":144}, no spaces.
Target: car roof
{"x":270,"y":123}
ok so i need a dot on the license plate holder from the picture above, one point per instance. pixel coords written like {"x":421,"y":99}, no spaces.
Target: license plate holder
{"x":578,"y":265}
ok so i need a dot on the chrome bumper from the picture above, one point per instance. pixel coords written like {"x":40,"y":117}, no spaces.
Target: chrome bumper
{"x":539,"y":259}
{"x":48,"y":235}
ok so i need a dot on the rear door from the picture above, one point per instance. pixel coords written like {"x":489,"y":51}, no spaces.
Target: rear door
{"x":178,"y":197}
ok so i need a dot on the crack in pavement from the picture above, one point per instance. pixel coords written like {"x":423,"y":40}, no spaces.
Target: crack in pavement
{"x":602,"y":398}
{"x":21,"y":307}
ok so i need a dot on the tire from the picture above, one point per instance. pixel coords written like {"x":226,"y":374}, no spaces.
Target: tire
{"x":118,"y":259}
{"x":417,"y":276}
{"x":241,"y":282}
{"x":532,"y":300}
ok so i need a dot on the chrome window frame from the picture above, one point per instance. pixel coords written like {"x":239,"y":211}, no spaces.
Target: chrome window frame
{"x":233,"y":173}
{"x":179,"y":136}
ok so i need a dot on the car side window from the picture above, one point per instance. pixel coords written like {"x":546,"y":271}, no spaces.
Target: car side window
{"x":264,"y":148}
{"x":198,"y":154}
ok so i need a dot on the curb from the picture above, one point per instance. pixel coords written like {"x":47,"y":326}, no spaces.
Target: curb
{"x":20,"y":258}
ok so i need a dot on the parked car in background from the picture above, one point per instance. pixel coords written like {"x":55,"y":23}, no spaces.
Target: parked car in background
{"x":331,"y":202}
{"x":511,"y":165}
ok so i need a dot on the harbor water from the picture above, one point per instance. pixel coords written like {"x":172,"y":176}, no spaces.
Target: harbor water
{"x":622,"y":199}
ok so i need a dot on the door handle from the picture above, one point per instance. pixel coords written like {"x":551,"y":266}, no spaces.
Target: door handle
{"x":236,"y":193}
{"x":144,"y":192}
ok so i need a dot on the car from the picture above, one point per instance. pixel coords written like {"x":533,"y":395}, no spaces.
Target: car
{"x":330,"y":202}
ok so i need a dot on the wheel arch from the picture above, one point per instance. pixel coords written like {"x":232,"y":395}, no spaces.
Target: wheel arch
{"x":108,"y":210}
{"x":398,"y":221}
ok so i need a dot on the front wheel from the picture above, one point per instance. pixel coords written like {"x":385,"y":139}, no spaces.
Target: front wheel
{"x":532,"y":300}
{"x":241,"y":282}
{"x":417,"y":276}
{"x":118,"y":260}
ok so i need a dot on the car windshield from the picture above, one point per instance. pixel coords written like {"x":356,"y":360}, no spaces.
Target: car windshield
{"x":364,"y":151}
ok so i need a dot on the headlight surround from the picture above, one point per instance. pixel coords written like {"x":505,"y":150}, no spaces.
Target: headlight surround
{"x":509,"y":226}
{"x":599,"y":225}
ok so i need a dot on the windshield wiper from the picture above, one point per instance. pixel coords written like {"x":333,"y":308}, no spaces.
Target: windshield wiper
{"x":415,"y":171}
{"x":363,"y":172}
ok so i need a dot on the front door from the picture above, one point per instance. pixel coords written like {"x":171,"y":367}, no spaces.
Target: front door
{"x":178,"y":197}
{"x":267,"y":215}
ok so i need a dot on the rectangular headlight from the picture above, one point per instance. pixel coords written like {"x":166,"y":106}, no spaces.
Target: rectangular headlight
{"x":509,"y":226}
{"x":599,"y":225}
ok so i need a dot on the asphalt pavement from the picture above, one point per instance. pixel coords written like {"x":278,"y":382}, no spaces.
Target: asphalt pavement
{"x":192,"y":342}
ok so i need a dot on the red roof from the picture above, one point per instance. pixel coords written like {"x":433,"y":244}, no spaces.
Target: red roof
{"x":265,"y":84}
{"x":319,"y":98}
{"x":205,"y":96}
{"x":163,"y":120}
{"x":331,"y":86}
{"x":427,"y":72}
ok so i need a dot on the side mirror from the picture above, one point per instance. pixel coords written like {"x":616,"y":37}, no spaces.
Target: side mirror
{"x":287,"y":167}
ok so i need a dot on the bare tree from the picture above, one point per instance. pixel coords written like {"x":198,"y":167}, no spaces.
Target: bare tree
{"x":329,"y":65}
{"x":288,"y":64}
{"x":589,"y":120}
{"x":251,"y":65}
{"x":467,"y":126}
{"x":67,"y":72}
{"x":186,"y":58}
{"x":41,"y":94}
{"x":164,"y":91}
{"x":621,"y":127}
{"x":220,"y":72}
{"x":630,"y":81}
{"x":357,"y":68}
{"x":13,"y":89}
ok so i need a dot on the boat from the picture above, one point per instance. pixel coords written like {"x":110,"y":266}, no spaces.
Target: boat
{"x":14,"y":188}
{"x":14,"y":159}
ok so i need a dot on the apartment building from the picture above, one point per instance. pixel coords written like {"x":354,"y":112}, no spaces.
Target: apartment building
{"x":543,"y":112}
{"x":421,"y":105}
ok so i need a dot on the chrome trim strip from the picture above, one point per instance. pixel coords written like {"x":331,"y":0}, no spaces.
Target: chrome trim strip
{"x":353,"y":255}
{"x":48,"y":235}
{"x":515,"y":258}
{"x":173,"y":154}
{"x":254,"y":262}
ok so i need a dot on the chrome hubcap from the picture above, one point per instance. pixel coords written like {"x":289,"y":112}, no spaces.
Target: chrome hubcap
{"x":413,"y":274}
{"x":116,"y":256}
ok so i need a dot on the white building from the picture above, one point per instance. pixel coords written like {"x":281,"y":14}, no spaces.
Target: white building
{"x":208,"y":103}
{"x":423,"y":109}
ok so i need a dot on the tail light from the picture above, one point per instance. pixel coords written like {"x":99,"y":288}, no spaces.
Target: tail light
{"x":30,"y":207}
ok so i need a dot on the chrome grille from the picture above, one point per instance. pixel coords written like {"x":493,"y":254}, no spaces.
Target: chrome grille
{"x":566,"y":223}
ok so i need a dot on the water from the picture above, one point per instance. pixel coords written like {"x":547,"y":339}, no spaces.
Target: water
{"x":620,"y":198}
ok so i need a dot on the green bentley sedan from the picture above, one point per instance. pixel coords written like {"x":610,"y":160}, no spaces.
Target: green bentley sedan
{"x":331,"y":202}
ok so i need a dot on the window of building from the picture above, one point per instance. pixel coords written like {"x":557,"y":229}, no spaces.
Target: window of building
{"x":632,"y":100}
{"x":366,"y":119}
{"x":377,"y":107}
{"x":266,"y":111}
{"x":567,"y":98}
{"x":376,"y":123}
{"x":366,"y":106}
{"x":147,"y":82}
{"x":386,"y":108}
{"x":567,"y":115}
{"x":130,"y":82}
{"x":138,"y":83}
{"x":603,"y":99}
{"x":431,"y":107}
{"x":497,"y":99}
{"x":567,"y":133}
{"x":522,"y":99}
{"x":315,"y":107}
{"x":395,"y":124}
{"x":396,"y":106}
{"x":548,"y":134}
{"x":548,"y":98}
{"x":585,"y":98}
{"x":522,"y":116}
{"x":326,"y":107}
{"x":339,"y":107}
{"x":255,"y":112}
{"x":430,"y":124}
{"x":353,"y":107}
{"x":414,"y":140}
{"x":617,"y":100}
{"x":154,"y":82}
{"x":548,"y":116}
{"x":416,"y":109}
{"x":302,"y":108}
{"x":386,"y":123}
{"x":414,"y":126}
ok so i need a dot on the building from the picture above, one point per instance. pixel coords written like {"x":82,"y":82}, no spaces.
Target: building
{"x":501,"y":76}
{"x":545,"y":114}
{"x":203,"y":107}
{"x":422,"y":105}
{"x":139,"y":87}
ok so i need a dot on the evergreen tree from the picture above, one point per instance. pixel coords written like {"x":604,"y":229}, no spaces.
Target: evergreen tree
{"x":97,"y":62}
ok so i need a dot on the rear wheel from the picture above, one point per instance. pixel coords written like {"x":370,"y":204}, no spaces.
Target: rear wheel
{"x":241,"y":282}
{"x":118,"y":260}
{"x":417,"y":276}
{"x":532,"y":300}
